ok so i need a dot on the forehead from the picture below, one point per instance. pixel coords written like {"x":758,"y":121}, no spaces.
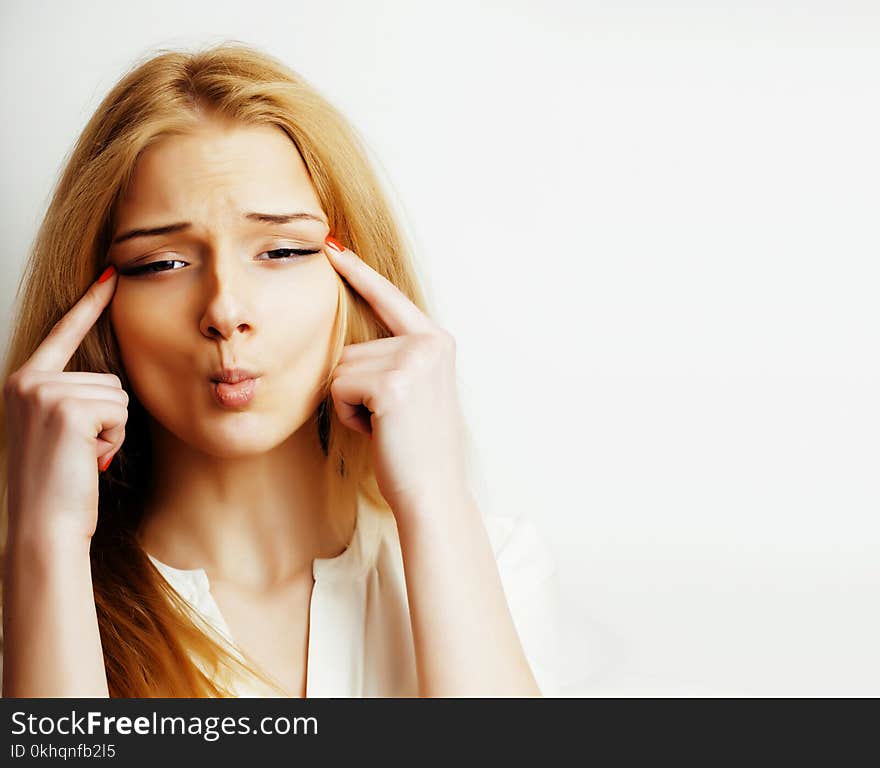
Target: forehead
{"x":218,"y":170}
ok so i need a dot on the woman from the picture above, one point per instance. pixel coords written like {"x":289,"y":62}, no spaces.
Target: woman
{"x":246,"y":477}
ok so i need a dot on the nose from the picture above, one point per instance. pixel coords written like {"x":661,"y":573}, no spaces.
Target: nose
{"x":228,"y":298}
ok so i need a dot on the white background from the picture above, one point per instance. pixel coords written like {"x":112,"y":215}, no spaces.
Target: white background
{"x":653,"y":230}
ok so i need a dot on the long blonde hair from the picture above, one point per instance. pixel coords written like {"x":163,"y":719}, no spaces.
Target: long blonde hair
{"x":147,"y":630}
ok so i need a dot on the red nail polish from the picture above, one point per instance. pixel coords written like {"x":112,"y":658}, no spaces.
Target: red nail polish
{"x":107,"y":464}
{"x":106,"y":274}
{"x":334,"y":244}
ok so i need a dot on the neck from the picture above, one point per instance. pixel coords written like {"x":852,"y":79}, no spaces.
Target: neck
{"x":256,"y":519}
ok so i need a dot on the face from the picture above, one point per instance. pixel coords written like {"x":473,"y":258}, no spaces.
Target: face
{"x":226,"y":288}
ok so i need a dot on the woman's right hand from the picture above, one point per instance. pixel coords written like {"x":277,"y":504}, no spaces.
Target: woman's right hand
{"x":62,"y":428}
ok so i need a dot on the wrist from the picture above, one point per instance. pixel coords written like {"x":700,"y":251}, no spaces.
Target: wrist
{"x":439,"y":510}
{"x":46,"y":544}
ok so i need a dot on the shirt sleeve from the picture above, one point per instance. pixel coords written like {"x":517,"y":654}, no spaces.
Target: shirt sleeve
{"x":531,"y":585}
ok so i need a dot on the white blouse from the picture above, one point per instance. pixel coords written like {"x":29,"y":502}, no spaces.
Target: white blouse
{"x":360,"y":635}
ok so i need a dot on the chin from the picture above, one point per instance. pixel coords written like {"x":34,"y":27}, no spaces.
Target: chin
{"x":243,"y":434}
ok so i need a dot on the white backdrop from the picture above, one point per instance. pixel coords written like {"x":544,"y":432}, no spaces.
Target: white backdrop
{"x":652,"y":229}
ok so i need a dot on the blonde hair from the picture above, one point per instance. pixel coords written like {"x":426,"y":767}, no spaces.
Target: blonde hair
{"x":147,"y":630}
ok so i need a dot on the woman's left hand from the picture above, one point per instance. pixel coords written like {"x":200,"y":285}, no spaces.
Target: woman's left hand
{"x":401,"y":390}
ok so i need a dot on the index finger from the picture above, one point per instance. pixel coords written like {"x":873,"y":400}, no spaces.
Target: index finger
{"x":67,"y":334}
{"x":395,"y":310}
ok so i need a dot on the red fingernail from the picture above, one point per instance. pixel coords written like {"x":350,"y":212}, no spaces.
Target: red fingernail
{"x":334,"y":244}
{"x":106,"y":274}
{"x":107,"y":464}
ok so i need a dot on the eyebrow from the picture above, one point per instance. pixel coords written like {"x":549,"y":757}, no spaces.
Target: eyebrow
{"x":263,"y":218}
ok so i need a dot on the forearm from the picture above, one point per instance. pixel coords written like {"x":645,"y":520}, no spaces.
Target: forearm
{"x":52,"y":646}
{"x":466,"y":643}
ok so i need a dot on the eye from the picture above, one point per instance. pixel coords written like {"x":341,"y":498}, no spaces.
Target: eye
{"x":156,"y":266}
{"x":298,"y":252}
{"x":151,"y":267}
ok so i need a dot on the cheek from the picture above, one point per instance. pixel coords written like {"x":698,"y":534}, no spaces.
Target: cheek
{"x":303,"y":323}
{"x":137,"y":320}
{"x":295,"y":323}
{"x":143,"y":328}
{"x":148,"y":336}
{"x":302,"y":332}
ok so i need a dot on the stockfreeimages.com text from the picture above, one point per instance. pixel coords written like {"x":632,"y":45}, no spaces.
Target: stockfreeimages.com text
{"x":209,"y":728}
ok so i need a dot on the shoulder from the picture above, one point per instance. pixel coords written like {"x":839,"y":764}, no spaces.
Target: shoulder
{"x":520,"y":546}
{"x":526,"y":565}
{"x":529,"y":576}
{"x":521,"y":549}
{"x":528,"y":572}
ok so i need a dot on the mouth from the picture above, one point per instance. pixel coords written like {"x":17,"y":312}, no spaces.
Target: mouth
{"x":236,"y":394}
{"x":234,"y":375}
